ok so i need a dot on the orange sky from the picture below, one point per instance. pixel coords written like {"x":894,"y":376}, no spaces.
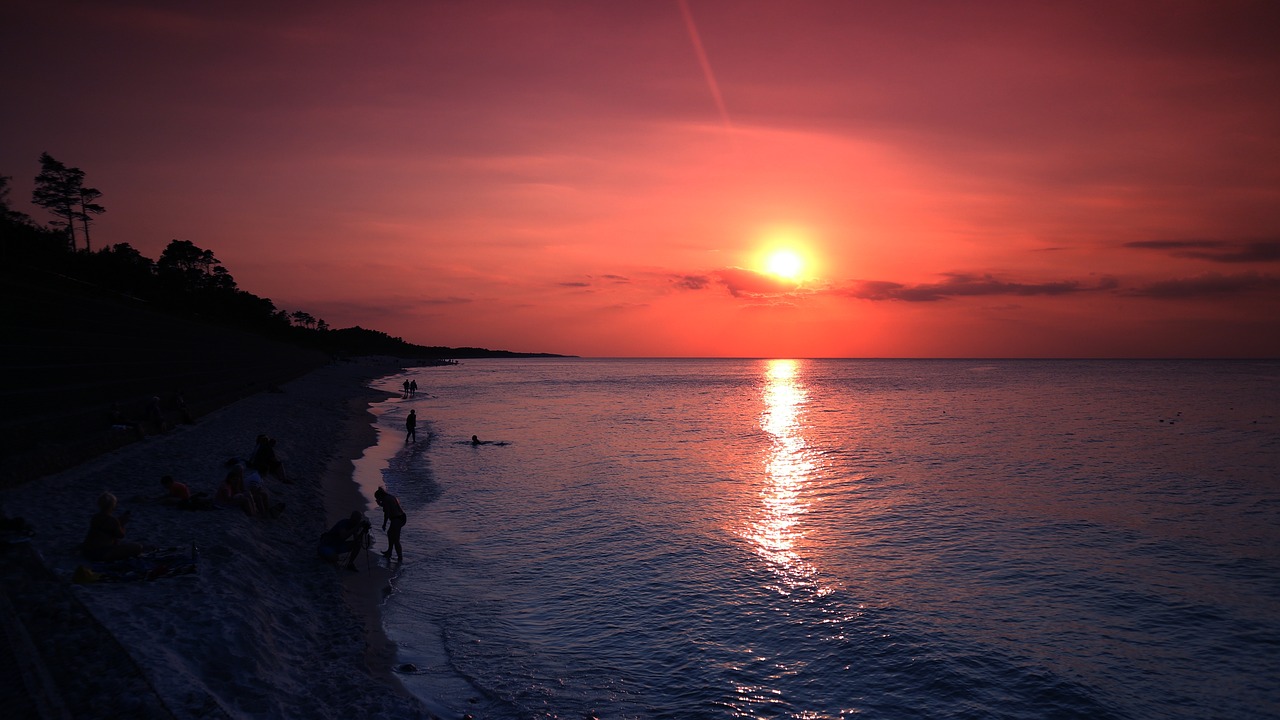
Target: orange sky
{"x":999,"y":179}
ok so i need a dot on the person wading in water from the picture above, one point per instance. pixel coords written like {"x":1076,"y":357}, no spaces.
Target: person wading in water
{"x":394,"y":514}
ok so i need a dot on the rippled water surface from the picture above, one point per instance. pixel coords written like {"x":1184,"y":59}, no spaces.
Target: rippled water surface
{"x":830,"y":538}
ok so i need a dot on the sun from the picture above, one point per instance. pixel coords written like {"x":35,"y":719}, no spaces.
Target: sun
{"x":785,"y":253}
{"x":784,"y":263}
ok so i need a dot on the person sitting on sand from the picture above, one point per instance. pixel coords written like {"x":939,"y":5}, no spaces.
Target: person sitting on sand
{"x":264,"y":458}
{"x":346,"y":536}
{"x":232,"y":492}
{"x":102,"y":543}
{"x":393,"y":513}
{"x":257,"y":490}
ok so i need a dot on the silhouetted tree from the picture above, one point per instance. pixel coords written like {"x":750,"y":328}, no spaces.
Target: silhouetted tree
{"x":303,"y":319}
{"x":186,"y":266}
{"x":21,"y":239}
{"x":89,"y":207}
{"x":125,"y":269}
{"x":247,"y":310}
{"x":5,"y":211}
{"x":58,"y":191}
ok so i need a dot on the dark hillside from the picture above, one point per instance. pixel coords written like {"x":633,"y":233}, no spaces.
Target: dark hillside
{"x":81,"y":365}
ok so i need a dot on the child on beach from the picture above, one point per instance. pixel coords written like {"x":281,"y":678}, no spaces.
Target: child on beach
{"x":179,"y":494}
{"x":102,"y":543}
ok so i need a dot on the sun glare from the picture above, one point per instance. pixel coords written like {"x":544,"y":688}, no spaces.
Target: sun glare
{"x":785,"y":264}
{"x":785,"y":252}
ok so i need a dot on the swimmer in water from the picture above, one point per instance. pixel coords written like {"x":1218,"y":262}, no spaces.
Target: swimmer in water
{"x":475,"y":440}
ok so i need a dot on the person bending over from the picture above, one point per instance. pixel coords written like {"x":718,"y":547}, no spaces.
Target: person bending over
{"x":346,"y":536}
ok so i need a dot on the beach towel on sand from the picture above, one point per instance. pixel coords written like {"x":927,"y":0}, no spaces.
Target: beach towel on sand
{"x":152,"y":565}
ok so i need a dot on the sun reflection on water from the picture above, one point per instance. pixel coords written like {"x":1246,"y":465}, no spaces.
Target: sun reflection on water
{"x":779,"y":528}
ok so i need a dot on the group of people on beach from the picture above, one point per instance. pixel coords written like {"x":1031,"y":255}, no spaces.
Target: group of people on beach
{"x":149,"y":416}
{"x":242,"y":487}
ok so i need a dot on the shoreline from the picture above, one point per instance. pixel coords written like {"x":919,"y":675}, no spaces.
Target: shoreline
{"x":362,"y":591}
{"x":262,"y":628}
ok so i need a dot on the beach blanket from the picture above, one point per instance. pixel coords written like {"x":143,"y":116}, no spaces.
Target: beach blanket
{"x":151,"y":565}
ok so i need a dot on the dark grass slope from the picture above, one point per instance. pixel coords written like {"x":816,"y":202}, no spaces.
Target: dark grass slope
{"x":79,"y":366}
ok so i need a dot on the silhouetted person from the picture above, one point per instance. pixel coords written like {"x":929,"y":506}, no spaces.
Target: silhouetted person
{"x":475,"y":440}
{"x":183,"y":410}
{"x":106,"y":531}
{"x":264,"y":458}
{"x":411,"y":426}
{"x":232,"y":491}
{"x":394,"y":514}
{"x":413,"y":388}
{"x":346,"y":536}
{"x":155,"y":414}
{"x":406,"y":388}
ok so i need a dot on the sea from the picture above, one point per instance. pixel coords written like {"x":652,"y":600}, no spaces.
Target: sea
{"x":815,"y":539}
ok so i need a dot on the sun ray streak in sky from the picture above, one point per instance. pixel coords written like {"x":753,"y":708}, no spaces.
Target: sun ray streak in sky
{"x":706,"y":64}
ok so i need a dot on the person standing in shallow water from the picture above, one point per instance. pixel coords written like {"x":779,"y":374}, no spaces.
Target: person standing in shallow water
{"x":393,"y":513}
{"x":411,"y":426}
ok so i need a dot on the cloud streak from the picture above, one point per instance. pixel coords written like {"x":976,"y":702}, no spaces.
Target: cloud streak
{"x":1208,"y":285}
{"x":968,"y":285}
{"x":740,"y":282}
{"x":1219,"y":251}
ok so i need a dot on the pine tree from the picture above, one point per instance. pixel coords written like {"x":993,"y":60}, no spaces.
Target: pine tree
{"x":89,"y":207}
{"x":58,"y":191}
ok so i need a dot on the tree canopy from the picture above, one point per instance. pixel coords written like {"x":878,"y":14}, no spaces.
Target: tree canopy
{"x":60,"y":190}
{"x":186,"y":279}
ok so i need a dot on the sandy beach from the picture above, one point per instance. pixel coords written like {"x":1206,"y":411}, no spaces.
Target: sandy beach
{"x":262,"y":628}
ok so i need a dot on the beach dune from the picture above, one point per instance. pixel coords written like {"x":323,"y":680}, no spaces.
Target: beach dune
{"x":262,"y":628}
